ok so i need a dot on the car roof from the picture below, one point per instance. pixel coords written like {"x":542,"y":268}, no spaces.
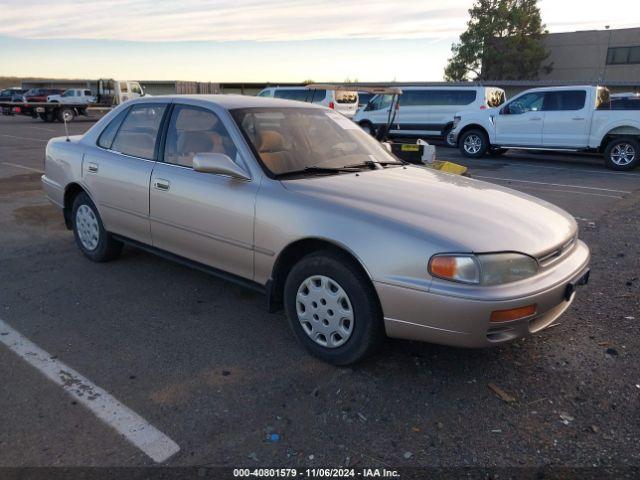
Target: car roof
{"x":560,"y":88}
{"x":446,"y":87}
{"x":233,"y":101}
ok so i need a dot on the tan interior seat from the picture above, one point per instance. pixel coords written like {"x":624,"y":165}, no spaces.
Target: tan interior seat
{"x":191,"y":142}
{"x":273,"y":153}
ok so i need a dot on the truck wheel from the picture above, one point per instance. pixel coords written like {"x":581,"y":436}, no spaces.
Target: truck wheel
{"x":448,"y":138}
{"x":93,"y":240}
{"x":67,"y":114}
{"x":622,"y":154}
{"x":473,"y":143}
{"x":333,"y":309}
{"x":367,"y":127}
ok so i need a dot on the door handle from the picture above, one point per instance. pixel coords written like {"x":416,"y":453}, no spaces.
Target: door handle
{"x":161,"y":184}
{"x":577,"y":118}
{"x":92,"y":167}
{"x":535,"y":119}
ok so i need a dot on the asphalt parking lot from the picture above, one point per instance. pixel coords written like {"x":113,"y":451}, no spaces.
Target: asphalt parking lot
{"x":203,"y":362}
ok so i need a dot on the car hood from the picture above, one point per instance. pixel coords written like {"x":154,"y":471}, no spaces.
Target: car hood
{"x":470,"y":215}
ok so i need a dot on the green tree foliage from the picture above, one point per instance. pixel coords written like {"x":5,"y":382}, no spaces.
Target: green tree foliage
{"x":503,"y":41}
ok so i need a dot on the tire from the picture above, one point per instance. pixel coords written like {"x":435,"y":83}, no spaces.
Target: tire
{"x":70,"y":113}
{"x":368,"y":128}
{"x":92,"y":239}
{"x":473,"y":143}
{"x":448,"y":139}
{"x":497,"y":152}
{"x":334,"y":285}
{"x":622,"y":154}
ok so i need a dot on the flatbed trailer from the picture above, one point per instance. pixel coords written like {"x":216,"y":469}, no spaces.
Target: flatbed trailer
{"x":52,"y":111}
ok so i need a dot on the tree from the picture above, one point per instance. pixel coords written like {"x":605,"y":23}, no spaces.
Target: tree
{"x":503,"y":41}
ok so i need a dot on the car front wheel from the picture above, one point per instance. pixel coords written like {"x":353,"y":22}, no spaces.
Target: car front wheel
{"x":93,"y":240}
{"x":333,"y":309}
{"x":473,"y":143}
{"x":622,"y":154}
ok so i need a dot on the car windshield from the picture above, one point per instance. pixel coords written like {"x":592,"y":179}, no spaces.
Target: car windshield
{"x":294,"y":139}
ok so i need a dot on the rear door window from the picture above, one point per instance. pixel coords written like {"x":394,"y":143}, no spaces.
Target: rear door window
{"x":564,"y":100}
{"x":495,"y":97}
{"x":139,"y":131}
{"x":343,"y":96}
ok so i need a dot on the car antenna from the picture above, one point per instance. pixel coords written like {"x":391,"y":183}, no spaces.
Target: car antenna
{"x":66,"y":127}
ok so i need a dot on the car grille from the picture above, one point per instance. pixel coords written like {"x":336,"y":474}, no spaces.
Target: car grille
{"x":552,"y":256}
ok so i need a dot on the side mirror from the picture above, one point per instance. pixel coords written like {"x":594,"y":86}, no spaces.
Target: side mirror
{"x":218,"y":163}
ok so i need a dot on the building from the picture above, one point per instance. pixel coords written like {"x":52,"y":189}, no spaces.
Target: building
{"x":605,"y":57}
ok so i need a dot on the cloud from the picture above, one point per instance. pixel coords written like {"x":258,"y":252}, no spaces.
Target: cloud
{"x":237,"y":20}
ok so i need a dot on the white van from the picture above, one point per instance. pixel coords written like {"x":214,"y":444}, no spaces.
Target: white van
{"x":342,"y":101}
{"x":427,"y":111}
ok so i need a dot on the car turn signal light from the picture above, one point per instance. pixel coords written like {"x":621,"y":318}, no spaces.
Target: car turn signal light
{"x":513,"y":313}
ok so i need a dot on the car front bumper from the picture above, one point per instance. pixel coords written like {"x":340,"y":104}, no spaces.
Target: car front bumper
{"x":464,"y":321}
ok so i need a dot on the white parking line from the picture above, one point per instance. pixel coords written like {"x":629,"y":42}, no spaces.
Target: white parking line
{"x":15,"y":165}
{"x":44,"y":129}
{"x":552,"y":184}
{"x":575,"y":192}
{"x":23,"y":138}
{"x":108,"y":409}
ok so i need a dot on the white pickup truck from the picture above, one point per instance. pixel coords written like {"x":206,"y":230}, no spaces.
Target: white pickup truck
{"x":575,"y":118}
{"x":73,"y":95}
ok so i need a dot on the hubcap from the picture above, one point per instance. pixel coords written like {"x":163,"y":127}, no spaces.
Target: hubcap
{"x":87,"y":227}
{"x":324,"y":311}
{"x":623,"y":154}
{"x":472,"y":144}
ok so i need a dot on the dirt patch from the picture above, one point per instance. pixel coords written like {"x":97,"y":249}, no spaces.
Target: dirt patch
{"x":20,"y":183}
{"x":45,"y":216}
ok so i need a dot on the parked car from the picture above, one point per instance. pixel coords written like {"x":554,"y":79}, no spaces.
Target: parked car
{"x":13,"y":94}
{"x":426,"y":111}
{"x":40,"y":94}
{"x":286,"y":198}
{"x":342,"y":101}
{"x":73,"y":96}
{"x":554,"y":118}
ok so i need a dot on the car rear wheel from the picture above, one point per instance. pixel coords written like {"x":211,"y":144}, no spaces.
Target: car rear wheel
{"x":333,"y":309}
{"x":93,"y":240}
{"x":473,"y":143}
{"x":622,"y":154}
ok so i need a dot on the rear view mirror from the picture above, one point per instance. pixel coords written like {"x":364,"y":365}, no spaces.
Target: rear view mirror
{"x":218,"y":163}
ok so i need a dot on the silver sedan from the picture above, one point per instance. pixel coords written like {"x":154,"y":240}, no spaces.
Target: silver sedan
{"x":296,"y":201}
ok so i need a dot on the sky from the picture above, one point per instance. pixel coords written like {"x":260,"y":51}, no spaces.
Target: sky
{"x":255,"y":40}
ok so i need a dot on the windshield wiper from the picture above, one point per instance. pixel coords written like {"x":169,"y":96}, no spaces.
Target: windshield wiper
{"x":318,"y":170}
{"x":372,"y":164}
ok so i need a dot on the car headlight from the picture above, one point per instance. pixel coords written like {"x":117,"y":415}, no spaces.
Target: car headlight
{"x":483,"y":269}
